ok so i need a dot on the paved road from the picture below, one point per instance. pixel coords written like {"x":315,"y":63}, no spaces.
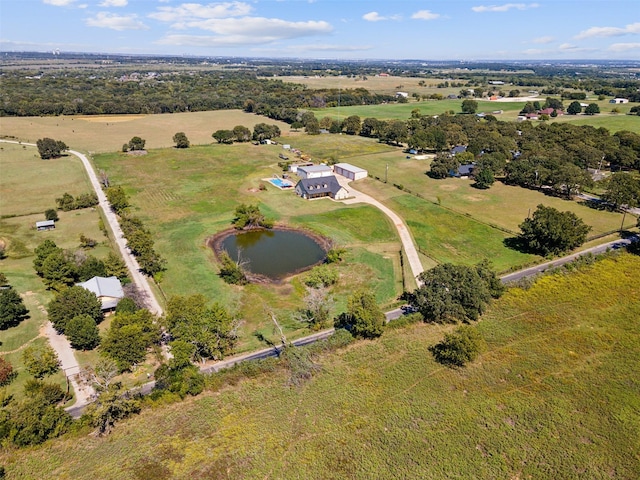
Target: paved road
{"x":410,"y":250}
{"x":527,"y":272}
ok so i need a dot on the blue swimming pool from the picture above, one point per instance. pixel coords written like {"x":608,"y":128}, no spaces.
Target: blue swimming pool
{"x":280,"y":183}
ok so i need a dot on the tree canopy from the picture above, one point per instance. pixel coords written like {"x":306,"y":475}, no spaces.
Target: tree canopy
{"x":72,"y":302}
{"x":363,"y":317}
{"x":129,"y":337}
{"x":550,"y":231}
{"x":452,"y":293}
{"x":50,"y":148}
{"x":40,"y":360}
{"x":12,"y":308}
{"x":82,"y":332}
{"x":250,"y":216}
{"x":181,"y":140}
{"x":458,"y":348}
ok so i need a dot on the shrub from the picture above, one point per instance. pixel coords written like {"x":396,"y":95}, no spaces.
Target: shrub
{"x":458,"y":348}
{"x":40,"y":361}
{"x":321,"y":276}
{"x":232,"y":272}
{"x":6,"y":372}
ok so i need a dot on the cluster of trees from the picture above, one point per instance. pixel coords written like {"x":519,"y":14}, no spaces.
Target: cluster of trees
{"x":139,"y":238}
{"x":181,"y":140}
{"x":76,"y":313}
{"x":110,"y":92}
{"x":136,"y":143}
{"x":140,"y":242}
{"x":67,"y":202}
{"x":551,"y":232}
{"x":12,"y":308}
{"x":575,"y":108}
{"x":50,"y":148}
{"x":61,"y":268}
{"x":248,"y":217}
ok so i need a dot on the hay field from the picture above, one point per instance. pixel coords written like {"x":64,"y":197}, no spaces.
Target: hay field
{"x":107,"y":133}
{"x":554,"y":396}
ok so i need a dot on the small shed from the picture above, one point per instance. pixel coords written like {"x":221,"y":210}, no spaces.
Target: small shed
{"x":107,"y":289}
{"x":310,"y":188}
{"x":349,"y":171}
{"x":314,"y":171}
{"x":45,"y":225}
{"x":619,"y":100}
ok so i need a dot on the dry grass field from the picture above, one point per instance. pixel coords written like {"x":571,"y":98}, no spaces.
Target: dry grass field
{"x":554,"y":396}
{"x":107,"y":133}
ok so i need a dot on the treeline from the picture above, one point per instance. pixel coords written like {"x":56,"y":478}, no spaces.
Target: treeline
{"x":88,"y":93}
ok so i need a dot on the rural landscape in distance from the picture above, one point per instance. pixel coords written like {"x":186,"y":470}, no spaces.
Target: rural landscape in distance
{"x":319,"y":240}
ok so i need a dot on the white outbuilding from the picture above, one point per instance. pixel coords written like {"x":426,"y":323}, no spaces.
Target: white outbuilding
{"x":314,"y":171}
{"x":350,"y":171}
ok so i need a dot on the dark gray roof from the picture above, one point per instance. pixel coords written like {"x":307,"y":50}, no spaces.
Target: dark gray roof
{"x":315,"y":186}
{"x":458,"y":149}
{"x":466,"y":169}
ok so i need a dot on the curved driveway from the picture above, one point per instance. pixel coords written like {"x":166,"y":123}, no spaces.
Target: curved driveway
{"x":405,"y":236}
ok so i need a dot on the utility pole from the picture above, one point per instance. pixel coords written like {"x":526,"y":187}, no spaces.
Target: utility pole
{"x":386,"y":173}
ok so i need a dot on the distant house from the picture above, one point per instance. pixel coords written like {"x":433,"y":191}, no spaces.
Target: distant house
{"x":402,"y":94}
{"x":532,"y":116}
{"x":619,"y":100}
{"x":314,"y":171}
{"x":463,"y":171}
{"x":349,"y":171}
{"x":458,"y":149}
{"x":107,"y":289}
{"x":310,"y":188}
{"x":453,"y":96}
{"x":45,"y":225}
{"x":496,"y":82}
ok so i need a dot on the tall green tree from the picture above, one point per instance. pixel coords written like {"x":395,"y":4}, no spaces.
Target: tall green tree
{"x":363,"y":317}
{"x":72,"y":302}
{"x":458,"y":348}
{"x":241,"y":133}
{"x":574,"y":108}
{"x":592,"y":109}
{"x":50,"y":148}
{"x":550,"y":231}
{"x":454,"y":293}
{"x":469,"y":106}
{"x":352,"y":125}
{"x":250,"y":216}
{"x":83,"y":333}
{"x":42,"y":251}
{"x":209,"y":328}
{"x":181,"y":140}
{"x":117,"y":198}
{"x":622,"y":189}
{"x":12,"y":308}
{"x":129,"y":337}
{"x":223,"y":136}
{"x":136,"y":143}
{"x":57,"y":271}
{"x":40,"y":360}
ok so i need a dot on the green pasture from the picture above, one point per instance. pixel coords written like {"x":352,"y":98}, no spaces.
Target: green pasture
{"x":553,"y":396}
{"x":31,"y":185}
{"x":186,"y":196}
{"x":502,"y":205}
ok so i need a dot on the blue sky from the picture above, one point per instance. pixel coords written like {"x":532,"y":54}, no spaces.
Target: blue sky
{"x":343,"y":29}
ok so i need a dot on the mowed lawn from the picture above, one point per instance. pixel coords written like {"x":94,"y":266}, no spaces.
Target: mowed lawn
{"x":553,"y":396}
{"x":107,"y":133}
{"x":186,"y":196}
{"x":502,"y":205}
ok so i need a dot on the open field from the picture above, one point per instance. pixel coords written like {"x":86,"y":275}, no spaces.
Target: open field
{"x":185,"y":196}
{"x":553,"y":396}
{"x":29,"y":184}
{"x":106,"y":133}
{"x":502,"y":205}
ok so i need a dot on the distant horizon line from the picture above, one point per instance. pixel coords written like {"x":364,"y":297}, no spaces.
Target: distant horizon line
{"x":57,"y":52}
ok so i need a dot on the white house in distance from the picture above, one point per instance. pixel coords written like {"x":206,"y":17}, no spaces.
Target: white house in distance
{"x":314,"y":171}
{"x":349,"y":171}
{"x":107,"y":289}
{"x":619,"y":100}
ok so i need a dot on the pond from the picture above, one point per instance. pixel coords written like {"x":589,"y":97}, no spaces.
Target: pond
{"x":274,"y":254}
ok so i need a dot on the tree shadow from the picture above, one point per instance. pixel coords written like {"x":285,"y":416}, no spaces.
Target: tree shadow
{"x":518,"y":244}
{"x":596,"y":204}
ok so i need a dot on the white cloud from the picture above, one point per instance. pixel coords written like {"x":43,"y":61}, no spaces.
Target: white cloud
{"x":376,"y":17}
{"x":425,"y":15}
{"x":187,"y":11}
{"x":58,"y":3}
{"x":624,"y":47}
{"x":633,"y":28}
{"x":567,"y":46}
{"x":114,"y":3}
{"x":546,"y":39}
{"x":504,"y":8}
{"x":116,"y":22}
{"x":373,"y":17}
{"x":246,"y":31}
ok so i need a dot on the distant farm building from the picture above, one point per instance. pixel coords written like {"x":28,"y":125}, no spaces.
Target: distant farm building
{"x":314,"y":171}
{"x":293,"y":168}
{"x":463,"y":171}
{"x":402,"y":94}
{"x":619,"y":100}
{"x":45,"y":225}
{"x":310,"y":188}
{"x":349,"y":171}
{"x":496,"y":82}
{"x":107,"y":289}
{"x":458,"y":149}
